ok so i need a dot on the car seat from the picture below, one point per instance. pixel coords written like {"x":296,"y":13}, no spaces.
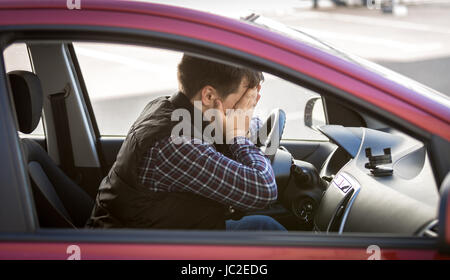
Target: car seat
{"x":58,"y":200}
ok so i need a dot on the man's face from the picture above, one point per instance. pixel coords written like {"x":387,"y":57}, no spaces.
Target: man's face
{"x":210,"y":98}
{"x":230,"y":101}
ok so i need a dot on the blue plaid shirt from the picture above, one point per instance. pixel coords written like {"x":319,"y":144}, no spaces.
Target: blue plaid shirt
{"x":244,"y":179}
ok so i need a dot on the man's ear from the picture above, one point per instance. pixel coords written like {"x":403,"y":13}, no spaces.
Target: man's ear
{"x":209,"y":95}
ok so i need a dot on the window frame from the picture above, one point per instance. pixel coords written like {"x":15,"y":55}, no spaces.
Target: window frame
{"x":123,"y":131}
{"x":30,"y":231}
{"x":184,"y":44}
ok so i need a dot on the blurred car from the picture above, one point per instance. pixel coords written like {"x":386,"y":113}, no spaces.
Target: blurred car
{"x":380,"y":180}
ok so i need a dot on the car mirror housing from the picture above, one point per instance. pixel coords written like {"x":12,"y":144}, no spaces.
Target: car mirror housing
{"x":314,"y":113}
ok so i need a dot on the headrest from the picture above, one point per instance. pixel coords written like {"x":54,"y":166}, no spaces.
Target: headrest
{"x":27,"y":94}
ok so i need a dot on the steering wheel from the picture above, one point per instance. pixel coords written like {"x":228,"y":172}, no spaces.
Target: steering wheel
{"x":269,"y":134}
{"x":268,"y":140}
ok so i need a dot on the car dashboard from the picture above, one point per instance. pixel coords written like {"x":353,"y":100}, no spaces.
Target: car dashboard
{"x":378,"y":182}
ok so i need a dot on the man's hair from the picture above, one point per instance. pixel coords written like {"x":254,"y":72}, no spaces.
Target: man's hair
{"x":195,"y":73}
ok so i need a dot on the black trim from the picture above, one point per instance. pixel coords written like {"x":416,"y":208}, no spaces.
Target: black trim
{"x":441,"y":164}
{"x":339,"y":114}
{"x":62,"y":132}
{"x":243,"y":238}
{"x":444,"y":246}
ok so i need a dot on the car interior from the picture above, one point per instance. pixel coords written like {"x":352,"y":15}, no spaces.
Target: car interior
{"x":362,"y":176}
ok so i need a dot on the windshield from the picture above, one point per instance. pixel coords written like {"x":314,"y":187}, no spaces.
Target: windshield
{"x":308,"y":39}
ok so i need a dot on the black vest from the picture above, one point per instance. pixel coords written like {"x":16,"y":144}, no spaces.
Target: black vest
{"x":122,"y":201}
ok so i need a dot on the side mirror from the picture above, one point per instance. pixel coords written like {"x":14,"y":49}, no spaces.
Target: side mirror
{"x":444,"y":216}
{"x":314,"y":113}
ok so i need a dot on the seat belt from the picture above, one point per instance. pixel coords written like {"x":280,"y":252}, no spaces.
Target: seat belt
{"x":46,"y":199}
{"x":62,"y":131}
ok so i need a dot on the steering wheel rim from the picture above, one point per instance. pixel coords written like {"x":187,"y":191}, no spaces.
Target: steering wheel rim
{"x":274,"y":126}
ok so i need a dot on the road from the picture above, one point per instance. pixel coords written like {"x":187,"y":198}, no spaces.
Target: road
{"x":416,"y":45}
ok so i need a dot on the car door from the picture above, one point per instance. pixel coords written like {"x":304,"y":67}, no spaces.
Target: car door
{"x":88,"y":244}
{"x":21,"y":236}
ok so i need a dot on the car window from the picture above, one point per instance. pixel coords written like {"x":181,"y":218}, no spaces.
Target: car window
{"x":17,"y":58}
{"x":122,"y":79}
{"x":292,"y":99}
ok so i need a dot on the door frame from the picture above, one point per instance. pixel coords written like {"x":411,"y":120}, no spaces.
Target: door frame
{"x":268,"y":240}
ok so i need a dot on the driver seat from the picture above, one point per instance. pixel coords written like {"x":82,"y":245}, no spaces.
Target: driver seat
{"x":58,"y":200}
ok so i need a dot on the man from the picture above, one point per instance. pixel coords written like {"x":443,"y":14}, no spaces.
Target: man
{"x":161,"y":182}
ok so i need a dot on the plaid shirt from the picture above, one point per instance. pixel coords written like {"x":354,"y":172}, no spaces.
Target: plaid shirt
{"x":244,"y":180}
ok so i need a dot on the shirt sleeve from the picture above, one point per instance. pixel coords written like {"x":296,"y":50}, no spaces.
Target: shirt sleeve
{"x":245,"y":182}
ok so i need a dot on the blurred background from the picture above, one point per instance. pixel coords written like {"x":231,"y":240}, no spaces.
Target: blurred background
{"x":411,"y":37}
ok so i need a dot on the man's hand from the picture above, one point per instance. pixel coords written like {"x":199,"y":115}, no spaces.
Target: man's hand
{"x":236,"y":121}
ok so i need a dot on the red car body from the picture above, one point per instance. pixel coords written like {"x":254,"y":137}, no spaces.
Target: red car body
{"x":418,"y":109}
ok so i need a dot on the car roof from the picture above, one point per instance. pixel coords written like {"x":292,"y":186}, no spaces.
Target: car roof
{"x":431,"y":103}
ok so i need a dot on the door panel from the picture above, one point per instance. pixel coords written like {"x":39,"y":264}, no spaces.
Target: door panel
{"x":250,"y":245}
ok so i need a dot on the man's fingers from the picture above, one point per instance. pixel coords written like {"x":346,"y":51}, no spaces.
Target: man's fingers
{"x":218,"y":105}
{"x":253,"y":97}
{"x":247,"y":100}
